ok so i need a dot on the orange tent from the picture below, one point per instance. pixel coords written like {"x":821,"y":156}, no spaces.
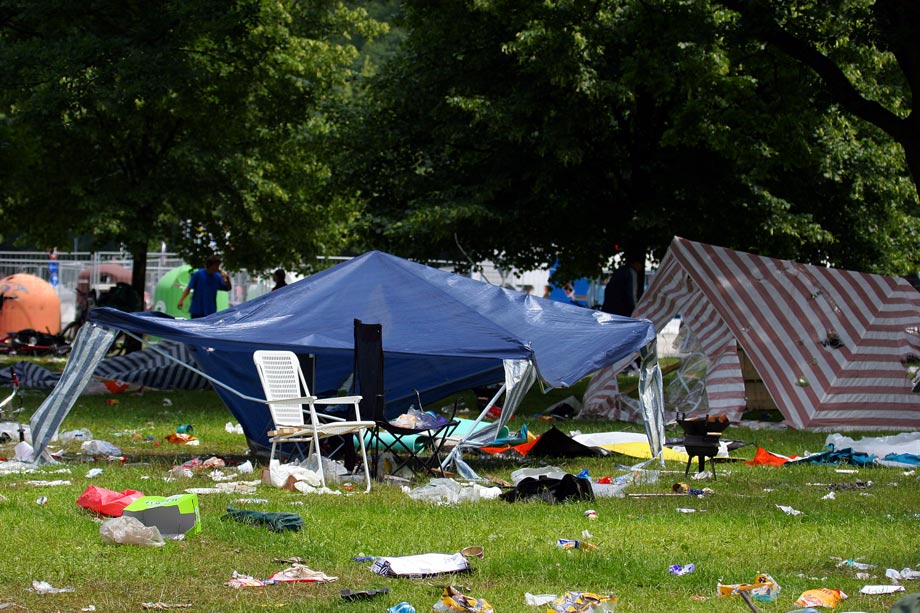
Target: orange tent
{"x":29,"y":303}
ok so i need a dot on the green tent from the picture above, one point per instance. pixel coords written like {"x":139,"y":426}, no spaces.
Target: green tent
{"x":169,"y":289}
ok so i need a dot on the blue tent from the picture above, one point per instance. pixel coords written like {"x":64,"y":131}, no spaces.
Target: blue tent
{"x":442,"y":333}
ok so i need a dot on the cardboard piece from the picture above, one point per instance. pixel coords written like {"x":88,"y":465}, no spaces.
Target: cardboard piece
{"x":173,"y":515}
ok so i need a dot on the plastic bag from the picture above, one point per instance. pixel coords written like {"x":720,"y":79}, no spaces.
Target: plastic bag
{"x":105,"y":501}
{"x":96,"y":447}
{"x":129,"y":531}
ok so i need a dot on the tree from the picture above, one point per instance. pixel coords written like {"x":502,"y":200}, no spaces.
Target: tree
{"x":205,"y":124}
{"x":564,"y":130}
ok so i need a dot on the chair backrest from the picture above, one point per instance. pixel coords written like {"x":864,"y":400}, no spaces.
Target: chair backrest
{"x":368,"y":370}
{"x":281,"y":377}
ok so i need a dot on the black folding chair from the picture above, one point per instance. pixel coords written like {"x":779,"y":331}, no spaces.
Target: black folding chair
{"x":368,"y":382}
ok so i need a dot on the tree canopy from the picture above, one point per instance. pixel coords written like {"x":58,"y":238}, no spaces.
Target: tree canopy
{"x":204,"y":124}
{"x":533,"y":132}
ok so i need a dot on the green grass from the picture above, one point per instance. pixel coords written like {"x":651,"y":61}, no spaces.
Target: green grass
{"x":735,"y":534}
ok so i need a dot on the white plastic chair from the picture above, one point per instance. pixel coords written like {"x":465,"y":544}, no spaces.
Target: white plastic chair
{"x":289,"y":400}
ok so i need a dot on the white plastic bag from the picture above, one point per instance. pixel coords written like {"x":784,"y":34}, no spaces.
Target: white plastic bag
{"x":129,"y":531}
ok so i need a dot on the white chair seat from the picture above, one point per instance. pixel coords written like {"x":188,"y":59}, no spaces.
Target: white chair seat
{"x":289,"y":401}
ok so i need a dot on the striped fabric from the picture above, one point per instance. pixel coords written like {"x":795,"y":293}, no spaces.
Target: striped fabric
{"x":89,"y":348}
{"x":830,"y":345}
{"x":152,"y":369}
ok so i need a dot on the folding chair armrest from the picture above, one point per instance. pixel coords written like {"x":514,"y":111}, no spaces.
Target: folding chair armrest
{"x":301,"y":400}
{"x":339,"y":400}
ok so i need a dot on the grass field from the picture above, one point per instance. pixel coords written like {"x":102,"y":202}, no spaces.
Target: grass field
{"x":734,"y":534}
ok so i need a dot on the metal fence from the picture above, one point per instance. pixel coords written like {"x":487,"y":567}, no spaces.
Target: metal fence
{"x":62,"y":271}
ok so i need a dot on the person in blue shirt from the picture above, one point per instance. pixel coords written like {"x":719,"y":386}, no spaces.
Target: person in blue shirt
{"x":205,"y":282}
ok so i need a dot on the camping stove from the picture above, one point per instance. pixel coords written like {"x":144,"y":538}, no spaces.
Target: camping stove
{"x":701,"y":438}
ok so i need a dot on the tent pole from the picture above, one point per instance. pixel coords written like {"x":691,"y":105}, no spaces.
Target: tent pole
{"x":479,"y":419}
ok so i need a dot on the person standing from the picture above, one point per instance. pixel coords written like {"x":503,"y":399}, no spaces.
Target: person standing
{"x":279,"y":277}
{"x":205,"y":282}
{"x":624,"y":288}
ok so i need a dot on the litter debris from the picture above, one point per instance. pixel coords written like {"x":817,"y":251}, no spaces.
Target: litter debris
{"x":905,"y":574}
{"x":96,"y":447}
{"x":854,"y":564}
{"x":582,"y":602}
{"x":821,"y":597}
{"x":536,"y":600}
{"x":41,"y":500}
{"x":420,"y":566}
{"x":277,"y":522}
{"x":181,"y":438}
{"x":591,"y":514}
{"x":41,"y":483}
{"x":678,"y":569}
{"x":351,"y":595}
{"x":239,"y":581}
{"x":449,"y":491}
{"x":163,"y":605}
{"x":764,"y":589}
{"x":93,"y":473}
{"x":174,"y":516}
{"x":43,"y":587}
{"x":129,"y":531}
{"x":107,"y":502}
{"x":881,"y":589}
{"x":789,"y":510}
{"x":233,"y":428}
{"x":453,"y":601}
{"x":301,"y":574}
{"x":402,"y":607}
{"x":575,"y":544}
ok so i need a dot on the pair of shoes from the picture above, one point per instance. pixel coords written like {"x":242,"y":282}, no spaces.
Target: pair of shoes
{"x":363,"y":594}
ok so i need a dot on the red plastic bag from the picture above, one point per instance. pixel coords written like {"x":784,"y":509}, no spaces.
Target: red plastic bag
{"x":107,"y":502}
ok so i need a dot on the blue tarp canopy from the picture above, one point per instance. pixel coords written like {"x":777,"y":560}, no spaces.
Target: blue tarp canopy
{"x":442,"y":333}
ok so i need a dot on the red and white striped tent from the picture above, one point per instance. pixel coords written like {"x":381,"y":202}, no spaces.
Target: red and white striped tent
{"x":830,"y":345}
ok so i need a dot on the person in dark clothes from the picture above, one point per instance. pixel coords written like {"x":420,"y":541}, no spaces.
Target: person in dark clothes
{"x":279,"y":278}
{"x":624,"y":288}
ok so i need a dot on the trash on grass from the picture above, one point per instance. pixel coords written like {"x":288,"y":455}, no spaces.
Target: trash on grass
{"x":402,"y":607}
{"x":788,"y":510}
{"x":575,"y":544}
{"x":173,"y":516}
{"x":854,"y":564}
{"x":536,"y":600}
{"x":96,"y":447}
{"x":678,"y":569}
{"x":419,"y":566}
{"x":821,"y":597}
{"x":582,"y":602}
{"x":905,"y":574}
{"x":107,"y":502}
{"x":43,"y":587}
{"x":351,"y":595}
{"x":448,"y":491}
{"x":165,"y":605}
{"x":233,"y":428}
{"x":881,"y":589}
{"x":299,"y":573}
{"x":179,"y":438}
{"x":764,"y":589}
{"x":453,"y":601}
{"x":277,"y":522}
{"x":129,"y":531}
